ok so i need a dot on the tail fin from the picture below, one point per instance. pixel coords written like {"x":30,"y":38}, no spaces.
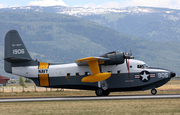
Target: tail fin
{"x":15,"y":50}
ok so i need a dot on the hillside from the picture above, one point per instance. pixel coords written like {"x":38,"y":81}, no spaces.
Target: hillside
{"x":61,"y":38}
{"x":157,"y":24}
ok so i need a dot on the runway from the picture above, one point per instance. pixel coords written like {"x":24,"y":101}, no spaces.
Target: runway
{"x":89,"y":98}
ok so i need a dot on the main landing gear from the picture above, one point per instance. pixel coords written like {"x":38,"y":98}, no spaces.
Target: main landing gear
{"x":101,"y":92}
{"x":153,"y":91}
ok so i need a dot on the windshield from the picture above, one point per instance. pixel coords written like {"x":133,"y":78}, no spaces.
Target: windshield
{"x":142,"y":66}
{"x":145,"y":65}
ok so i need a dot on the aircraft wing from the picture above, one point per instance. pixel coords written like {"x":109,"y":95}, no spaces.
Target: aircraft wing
{"x":84,"y":61}
{"x":93,"y":63}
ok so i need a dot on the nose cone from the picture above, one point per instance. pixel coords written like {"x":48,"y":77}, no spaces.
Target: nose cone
{"x":173,"y":74}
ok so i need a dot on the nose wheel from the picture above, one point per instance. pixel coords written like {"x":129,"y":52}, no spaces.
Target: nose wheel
{"x":153,"y":91}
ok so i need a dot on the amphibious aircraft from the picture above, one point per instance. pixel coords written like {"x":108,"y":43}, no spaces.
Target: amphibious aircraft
{"x":111,"y":72}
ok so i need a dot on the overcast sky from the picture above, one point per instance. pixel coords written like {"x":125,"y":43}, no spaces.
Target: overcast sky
{"x":174,"y":4}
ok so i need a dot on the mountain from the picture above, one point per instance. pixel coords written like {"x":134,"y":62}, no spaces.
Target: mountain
{"x":157,"y":24}
{"x":52,"y":37}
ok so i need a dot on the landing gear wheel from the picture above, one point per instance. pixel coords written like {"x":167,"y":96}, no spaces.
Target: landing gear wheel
{"x":153,"y":91}
{"x":106,"y":93}
{"x":99,"y":92}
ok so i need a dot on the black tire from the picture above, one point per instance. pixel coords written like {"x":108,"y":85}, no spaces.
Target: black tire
{"x":99,"y":92}
{"x":106,"y":93}
{"x":153,"y":91}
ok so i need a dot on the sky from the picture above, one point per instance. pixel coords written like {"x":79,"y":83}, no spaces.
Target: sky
{"x":173,"y":4}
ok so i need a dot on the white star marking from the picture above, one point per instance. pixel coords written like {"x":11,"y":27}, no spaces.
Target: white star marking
{"x":145,"y":76}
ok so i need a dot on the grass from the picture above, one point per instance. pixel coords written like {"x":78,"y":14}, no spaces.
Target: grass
{"x":101,"y":107}
{"x":172,"y":87}
{"x":98,"y":107}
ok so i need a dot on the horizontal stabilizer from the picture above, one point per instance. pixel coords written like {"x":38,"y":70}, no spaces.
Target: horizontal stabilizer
{"x":12,"y":59}
{"x":96,"y":77}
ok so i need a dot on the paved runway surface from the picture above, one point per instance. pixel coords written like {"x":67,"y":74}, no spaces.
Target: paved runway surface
{"x":89,"y":98}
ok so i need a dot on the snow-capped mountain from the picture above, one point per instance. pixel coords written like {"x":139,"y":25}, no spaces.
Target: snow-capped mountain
{"x":159,"y":24}
{"x":84,"y":11}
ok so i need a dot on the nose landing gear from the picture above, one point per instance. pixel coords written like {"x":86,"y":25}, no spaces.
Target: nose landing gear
{"x":153,"y":91}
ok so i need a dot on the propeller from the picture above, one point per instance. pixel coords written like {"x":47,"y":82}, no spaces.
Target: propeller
{"x":128,"y":56}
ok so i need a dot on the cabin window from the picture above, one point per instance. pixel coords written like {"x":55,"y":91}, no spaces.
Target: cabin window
{"x":118,"y":71}
{"x":130,"y":66}
{"x":87,"y":73}
{"x":68,"y":74}
{"x":139,"y":66}
{"x":77,"y":74}
{"x":110,"y":71}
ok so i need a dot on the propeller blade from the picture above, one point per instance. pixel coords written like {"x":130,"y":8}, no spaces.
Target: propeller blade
{"x":127,"y":55}
{"x":130,"y":52}
{"x":127,"y":65}
{"x":125,"y":50}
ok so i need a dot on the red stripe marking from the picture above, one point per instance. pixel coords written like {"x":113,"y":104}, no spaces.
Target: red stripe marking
{"x":137,"y":76}
{"x":152,"y":75}
{"x":129,"y":73}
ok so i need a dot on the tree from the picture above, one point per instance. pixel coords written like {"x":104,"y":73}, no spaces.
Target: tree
{"x":21,"y":81}
{"x":28,"y":80}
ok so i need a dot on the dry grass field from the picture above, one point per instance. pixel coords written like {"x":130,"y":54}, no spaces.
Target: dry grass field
{"x":98,"y":107}
{"x":101,"y":107}
{"x":172,"y":87}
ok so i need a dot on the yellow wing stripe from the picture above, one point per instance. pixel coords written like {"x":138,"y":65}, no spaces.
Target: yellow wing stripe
{"x":87,"y":59}
{"x":96,"y":77}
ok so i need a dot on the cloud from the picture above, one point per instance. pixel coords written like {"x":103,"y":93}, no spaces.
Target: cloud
{"x":92,"y":5}
{"x":16,"y":5}
{"x":47,"y":3}
{"x":3,"y":5}
{"x":111,"y":5}
{"x":174,"y":4}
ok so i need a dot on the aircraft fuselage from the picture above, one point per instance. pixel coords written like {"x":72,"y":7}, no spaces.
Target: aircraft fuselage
{"x":70,"y":75}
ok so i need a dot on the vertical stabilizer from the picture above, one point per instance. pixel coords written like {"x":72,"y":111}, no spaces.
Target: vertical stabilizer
{"x":15,"y":50}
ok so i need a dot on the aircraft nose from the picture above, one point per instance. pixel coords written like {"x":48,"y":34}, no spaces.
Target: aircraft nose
{"x":173,"y":74}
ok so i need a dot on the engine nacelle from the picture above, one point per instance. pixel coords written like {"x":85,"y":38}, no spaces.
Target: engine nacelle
{"x":116,"y":57}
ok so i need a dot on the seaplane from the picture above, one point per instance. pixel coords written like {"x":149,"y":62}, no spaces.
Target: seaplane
{"x":112,"y":72}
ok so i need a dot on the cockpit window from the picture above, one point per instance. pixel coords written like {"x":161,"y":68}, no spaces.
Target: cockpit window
{"x":139,"y":66}
{"x":145,"y":65}
{"x":142,"y":66}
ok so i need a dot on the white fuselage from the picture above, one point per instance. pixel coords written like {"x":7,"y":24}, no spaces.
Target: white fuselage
{"x":72,"y":68}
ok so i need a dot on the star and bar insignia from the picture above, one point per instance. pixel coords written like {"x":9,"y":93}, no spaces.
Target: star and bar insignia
{"x":144,"y":76}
